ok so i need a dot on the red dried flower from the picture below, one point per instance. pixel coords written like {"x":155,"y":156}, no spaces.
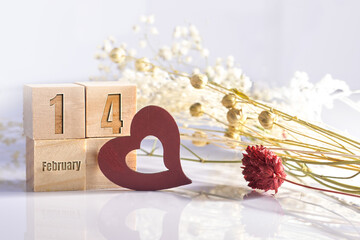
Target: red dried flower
{"x":263,"y":169}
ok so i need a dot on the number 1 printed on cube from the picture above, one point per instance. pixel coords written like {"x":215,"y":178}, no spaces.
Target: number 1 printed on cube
{"x":54,"y":111}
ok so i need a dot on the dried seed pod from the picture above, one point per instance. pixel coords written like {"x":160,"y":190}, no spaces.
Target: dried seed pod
{"x":198,"y":80}
{"x":235,"y":128}
{"x":117,"y":55}
{"x":196,"y":110}
{"x":235,"y":116}
{"x":237,"y":105}
{"x":200,"y":142}
{"x":232,"y":135}
{"x":229,"y":100}
{"x":143,"y":65}
{"x":266,"y":119}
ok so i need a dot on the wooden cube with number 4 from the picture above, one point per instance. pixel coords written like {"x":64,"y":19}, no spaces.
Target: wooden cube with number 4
{"x":110,"y":108}
{"x":54,"y":111}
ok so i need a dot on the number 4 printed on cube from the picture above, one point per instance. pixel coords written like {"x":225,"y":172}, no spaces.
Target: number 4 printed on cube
{"x":112,"y":113}
{"x":110,"y":107}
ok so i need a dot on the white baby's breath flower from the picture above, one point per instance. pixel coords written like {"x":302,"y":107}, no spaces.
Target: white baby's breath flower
{"x":196,"y":71}
{"x":333,"y":86}
{"x":199,"y":46}
{"x":186,"y":43}
{"x":185,"y":47}
{"x":165,"y":53}
{"x":218,"y":61}
{"x":210,"y":72}
{"x":188,"y":59}
{"x":177,"y":32}
{"x":194,"y":32}
{"x":234,"y":73}
{"x":132,"y":52}
{"x":230,"y":61}
{"x":159,"y":73}
{"x":123,"y":45}
{"x":330,"y":89}
{"x":143,"y":18}
{"x":107,"y":46}
{"x":176,"y":48}
{"x":129,"y":73}
{"x":220,"y":71}
{"x":112,"y":39}
{"x":217,"y":79}
{"x":184,"y":51}
{"x":154,"y":31}
{"x":136,"y":28}
{"x":142,"y":43}
{"x":151,"y":19}
{"x":106,"y":69}
{"x":197,"y":40}
{"x":98,"y":56}
{"x":172,"y":92}
{"x":307,"y":98}
{"x":205,"y":52}
{"x":245,"y":83}
{"x":184,"y":31}
{"x":300,"y":80}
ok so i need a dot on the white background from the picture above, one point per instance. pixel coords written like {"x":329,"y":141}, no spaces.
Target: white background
{"x":55,"y":41}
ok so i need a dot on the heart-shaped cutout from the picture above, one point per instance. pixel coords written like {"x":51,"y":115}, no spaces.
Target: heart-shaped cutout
{"x":150,"y":120}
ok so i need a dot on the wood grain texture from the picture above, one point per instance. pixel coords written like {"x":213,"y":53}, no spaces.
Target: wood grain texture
{"x":41,"y":119}
{"x":95,"y":179}
{"x":112,"y":113}
{"x":58,"y":103}
{"x":97,"y":94}
{"x":55,"y":165}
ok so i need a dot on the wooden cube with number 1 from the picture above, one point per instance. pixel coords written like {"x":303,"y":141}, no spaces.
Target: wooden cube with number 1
{"x":54,"y":111}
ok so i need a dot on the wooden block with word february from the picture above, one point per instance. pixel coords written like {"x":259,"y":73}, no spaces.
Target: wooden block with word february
{"x":54,"y":111}
{"x":95,"y":179}
{"x":110,"y":107}
{"x":55,"y":165}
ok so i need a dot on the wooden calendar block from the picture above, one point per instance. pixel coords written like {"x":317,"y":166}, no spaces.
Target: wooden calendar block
{"x":110,"y":107}
{"x":55,"y":165}
{"x":54,"y":111}
{"x":95,"y":179}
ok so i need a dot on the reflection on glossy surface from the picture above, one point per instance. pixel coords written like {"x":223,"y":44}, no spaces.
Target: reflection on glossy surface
{"x":200,"y":211}
{"x":218,"y":205}
{"x":261,"y":211}
{"x":146,"y":217}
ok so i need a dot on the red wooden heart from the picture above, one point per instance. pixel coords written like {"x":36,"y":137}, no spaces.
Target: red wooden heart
{"x":151,"y":120}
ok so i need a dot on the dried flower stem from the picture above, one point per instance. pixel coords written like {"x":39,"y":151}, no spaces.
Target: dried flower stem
{"x":319,"y":144}
{"x":320,"y":189}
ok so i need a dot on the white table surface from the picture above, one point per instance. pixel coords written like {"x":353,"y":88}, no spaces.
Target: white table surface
{"x":217,"y":205}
